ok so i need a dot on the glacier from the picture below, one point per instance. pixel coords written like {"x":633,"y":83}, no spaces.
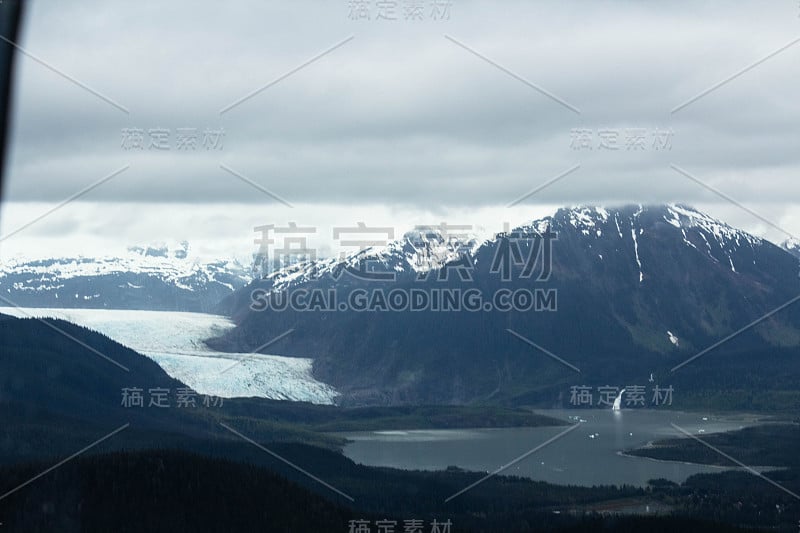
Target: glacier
{"x":174,"y":340}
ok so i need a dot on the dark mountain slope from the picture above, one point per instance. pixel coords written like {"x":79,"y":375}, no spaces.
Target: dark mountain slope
{"x":639,"y":290}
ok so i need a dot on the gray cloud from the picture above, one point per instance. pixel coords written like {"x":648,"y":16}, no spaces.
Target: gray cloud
{"x":402,"y":116}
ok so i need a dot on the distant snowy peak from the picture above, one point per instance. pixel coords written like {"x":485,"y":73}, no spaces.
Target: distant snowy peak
{"x":423,"y":250}
{"x":146,"y":277}
{"x":168,"y":268}
{"x":419,"y":251}
{"x":589,"y":219}
{"x":639,"y":227}
{"x":628,"y":222}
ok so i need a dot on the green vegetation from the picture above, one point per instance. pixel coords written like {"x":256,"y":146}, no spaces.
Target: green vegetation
{"x":181,"y":470}
{"x":175,"y":491}
{"x":737,"y":495}
{"x":330,"y":418}
{"x":764,"y":445}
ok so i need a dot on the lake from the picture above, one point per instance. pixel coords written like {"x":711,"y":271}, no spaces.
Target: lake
{"x":588,"y":455}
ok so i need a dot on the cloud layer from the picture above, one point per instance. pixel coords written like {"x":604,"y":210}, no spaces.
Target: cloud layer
{"x":402,"y":115}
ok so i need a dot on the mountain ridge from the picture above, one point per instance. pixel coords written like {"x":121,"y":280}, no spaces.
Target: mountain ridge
{"x":152,"y":277}
{"x":639,"y":288}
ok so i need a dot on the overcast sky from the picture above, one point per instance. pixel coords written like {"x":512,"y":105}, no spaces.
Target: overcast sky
{"x":394,"y":122}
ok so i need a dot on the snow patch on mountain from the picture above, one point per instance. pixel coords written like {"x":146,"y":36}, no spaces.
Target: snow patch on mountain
{"x":587,"y":218}
{"x":792,"y":246}
{"x":685,"y":240}
{"x":723,"y":233}
{"x":636,"y":253}
{"x":672,"y":338}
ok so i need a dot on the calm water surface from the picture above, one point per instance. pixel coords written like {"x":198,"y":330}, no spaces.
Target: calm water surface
{"x":588,"y":455}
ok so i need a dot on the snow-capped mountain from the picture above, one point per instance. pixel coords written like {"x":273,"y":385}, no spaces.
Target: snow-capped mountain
{"x":418,"y":252}
{"x":422,"y":251}
{"x":151,"y":277}
{"x":630,"y":291}
{"x":719,"y":242}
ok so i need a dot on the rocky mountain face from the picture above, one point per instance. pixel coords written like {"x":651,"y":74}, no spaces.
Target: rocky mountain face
{"x":620,"y":294}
